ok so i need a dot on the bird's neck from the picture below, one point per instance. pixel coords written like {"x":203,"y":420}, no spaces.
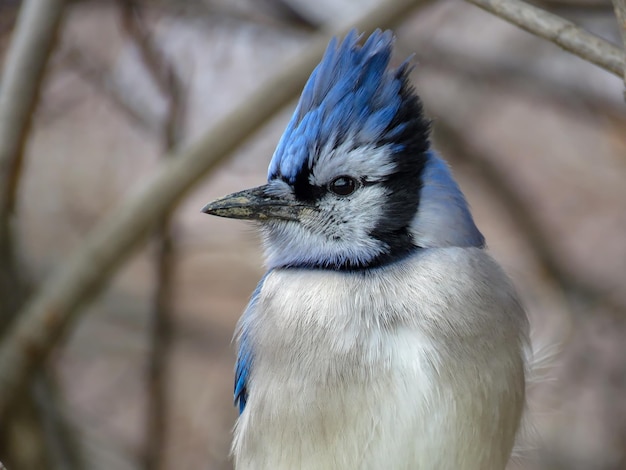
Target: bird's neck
{"x":400,"y":250}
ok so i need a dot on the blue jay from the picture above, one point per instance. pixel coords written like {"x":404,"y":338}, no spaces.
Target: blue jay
{"x":383,"y":335}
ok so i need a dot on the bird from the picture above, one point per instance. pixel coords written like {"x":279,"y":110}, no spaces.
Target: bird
{"x":383,"y":334}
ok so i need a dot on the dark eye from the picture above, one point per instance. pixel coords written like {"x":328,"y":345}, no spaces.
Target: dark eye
{"x":343,"y":186}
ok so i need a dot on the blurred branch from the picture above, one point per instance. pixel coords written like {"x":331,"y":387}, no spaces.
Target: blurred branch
{"x":575,"y":288}
{"x":22,"y":73}
{"x":62,"y":443}
{"x":159,"y":361}
{"x":101,"y":79}
{"x":170,"y":85}
{"x":579,"y":6}
{"x":163,"y":73}
{"x":620,"y":14}
{"x":25,"y":444}
{"x":8,"y":13}
{"x":270,"y":13}
{"x":559,"y":31}
{"x":510,"y":73}
{"x":44,"y":319}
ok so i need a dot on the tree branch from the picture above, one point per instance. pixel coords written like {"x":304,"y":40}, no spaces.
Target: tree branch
{"x":509,"y":74}
{"x":170,"y":84}
{"x":44,"y":319}
{"x":23,"y":71}
{"x":23,"y":441}
{"x":63,"y":445}
{"x":559,"y":31}
{"x":620,"y":14}
{"x":21,"y":79}
{"x":101,"y":79}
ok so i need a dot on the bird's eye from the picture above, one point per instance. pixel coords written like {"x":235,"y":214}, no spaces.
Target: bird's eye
{"x":343,"y":185}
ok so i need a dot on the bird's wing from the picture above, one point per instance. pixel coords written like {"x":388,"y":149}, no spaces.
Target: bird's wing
{"x":245,"y":354}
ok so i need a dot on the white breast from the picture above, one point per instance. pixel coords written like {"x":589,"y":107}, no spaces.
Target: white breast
{"x":417,"y":365}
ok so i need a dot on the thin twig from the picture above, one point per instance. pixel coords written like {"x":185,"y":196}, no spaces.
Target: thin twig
{"x":559,"y":31}
{"x":44,"y":319}
{"x":101,"y":79}
{"x":61,"y":439}
{"x":166,"y":77}
{"x":134,"y":25}
{"x":512,"y":74}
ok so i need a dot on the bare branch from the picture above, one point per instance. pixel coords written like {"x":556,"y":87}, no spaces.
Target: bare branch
{"x":23,"y":70}
{"x":21,"y":78}
{"x":170,"y":85}
{"x":510,"y":74}
{"x":559,"y":31}
{"x":62,"y":443}
{"x":620,"y":13}
{"x":44,"y":319}
{"x":23,"y":441}
{"x":101,"y":79}
{"x":161,"y":338}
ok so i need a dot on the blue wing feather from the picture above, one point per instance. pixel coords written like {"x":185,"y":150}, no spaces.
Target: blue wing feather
{"x":245,"y":354}
{"x":242,"y":369}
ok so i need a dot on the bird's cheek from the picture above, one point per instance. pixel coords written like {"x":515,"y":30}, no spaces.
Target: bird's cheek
{"x":312,"y":223}
{"x":307,"y":214}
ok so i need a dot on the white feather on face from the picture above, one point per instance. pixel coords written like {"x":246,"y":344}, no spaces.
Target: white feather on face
{"x":347,"y":159}
{"x":339,"y":229}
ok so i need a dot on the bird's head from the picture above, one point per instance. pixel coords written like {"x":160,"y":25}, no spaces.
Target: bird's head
{"x":353,"y":182}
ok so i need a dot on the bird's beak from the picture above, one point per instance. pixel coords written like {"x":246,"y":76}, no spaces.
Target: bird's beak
{"x":256,"y":204}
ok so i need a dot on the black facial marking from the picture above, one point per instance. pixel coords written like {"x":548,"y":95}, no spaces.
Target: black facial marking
{"x":407,"y":136}
{"x":305,"y":191}
{"x":404,"y":185}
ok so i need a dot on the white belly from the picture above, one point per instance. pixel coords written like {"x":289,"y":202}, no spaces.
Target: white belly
{"x":343,"y":421}
{"x":356,"y":375}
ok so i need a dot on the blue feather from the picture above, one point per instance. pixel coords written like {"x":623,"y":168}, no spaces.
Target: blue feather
{"x":444,"y":218}
{"x":244,"y":359}
{"x":352,"y":93}
{"x":245,"y":354}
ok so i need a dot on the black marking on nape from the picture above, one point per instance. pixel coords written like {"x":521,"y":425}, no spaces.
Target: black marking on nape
{"x":415,"y":134}
{"x":409,"y":153}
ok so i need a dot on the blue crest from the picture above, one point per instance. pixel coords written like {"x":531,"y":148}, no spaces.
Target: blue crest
{"x":351,"y":93}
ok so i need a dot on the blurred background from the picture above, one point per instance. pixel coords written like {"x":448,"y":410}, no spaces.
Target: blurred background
{"x":143,"y":380}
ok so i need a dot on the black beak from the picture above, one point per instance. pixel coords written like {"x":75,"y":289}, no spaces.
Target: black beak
{"x":256,"y":204}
